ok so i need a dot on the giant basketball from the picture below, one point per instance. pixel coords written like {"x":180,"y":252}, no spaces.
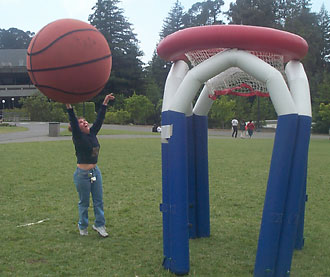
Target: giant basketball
{"x":69,"y":61}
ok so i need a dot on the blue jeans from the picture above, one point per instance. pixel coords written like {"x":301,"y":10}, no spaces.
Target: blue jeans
{"x":85,"y":185}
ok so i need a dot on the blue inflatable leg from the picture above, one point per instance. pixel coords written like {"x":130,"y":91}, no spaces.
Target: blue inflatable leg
{"x":175,"y":204}
{"x":191,"y":178}
{"x":295,"y":194}
{"x":277,"y":187}
{"x":202,"y":176}
{"x":164,"y":207}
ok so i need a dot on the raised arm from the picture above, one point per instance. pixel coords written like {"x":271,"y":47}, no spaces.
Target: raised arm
{"x":101,"y":114}
{"x":73,"y":121}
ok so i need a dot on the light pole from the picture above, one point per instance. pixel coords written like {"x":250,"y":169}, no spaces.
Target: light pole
{"x":3,"y":103}
{"x":13,"y":99}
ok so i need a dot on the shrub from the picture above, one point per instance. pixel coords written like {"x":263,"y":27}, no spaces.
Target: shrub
{"x":117,"y":117}
{"x":86,"y":110}
{"x":322,"y":119}
{"x":222,"y":111}
{"x":40,"y":108}
{"x":140,"y":108}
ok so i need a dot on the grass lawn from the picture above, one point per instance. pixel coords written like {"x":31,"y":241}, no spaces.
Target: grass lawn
{"x":36,"y":184}
{"x":11,"y":129}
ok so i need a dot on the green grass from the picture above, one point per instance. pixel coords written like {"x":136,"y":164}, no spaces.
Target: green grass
{"x":36,"y":183}
{"x":11,"y":129}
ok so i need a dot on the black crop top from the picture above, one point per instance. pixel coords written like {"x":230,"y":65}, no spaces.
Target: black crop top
{"x":86,"y":145}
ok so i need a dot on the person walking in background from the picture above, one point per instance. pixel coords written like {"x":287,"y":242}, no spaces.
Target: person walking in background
{"x":250,"y":126}
{"x":234,"y":124}
{"x":87,"y":177}
{"x":242,"y":128}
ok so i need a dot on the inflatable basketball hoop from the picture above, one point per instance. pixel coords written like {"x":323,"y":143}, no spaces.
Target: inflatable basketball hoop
{"x":245,"y":61}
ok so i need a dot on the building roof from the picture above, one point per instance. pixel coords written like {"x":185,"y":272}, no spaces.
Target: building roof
{"x":13,"y":57}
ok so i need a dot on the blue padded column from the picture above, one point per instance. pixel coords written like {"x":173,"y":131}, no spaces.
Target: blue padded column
{"x":191,"y":178}
{"x":277,"y":187}
{"x":300,"y":241}
{"x":295,"y":195}
{"x":202,"y":175}
{"x":175,"y":202}
{"x":164,"y":207}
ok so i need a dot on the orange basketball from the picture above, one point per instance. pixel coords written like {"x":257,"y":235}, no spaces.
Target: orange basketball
{"x":69,"y":61}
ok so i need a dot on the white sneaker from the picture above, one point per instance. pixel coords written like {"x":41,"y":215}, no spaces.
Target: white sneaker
{"x":83,"y":232}
{"x":101,"y":230}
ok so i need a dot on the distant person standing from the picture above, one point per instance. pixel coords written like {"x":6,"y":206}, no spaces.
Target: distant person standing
{"x":242,"y":126}
{"x":250,"y":126}
{"x":234,"y":124}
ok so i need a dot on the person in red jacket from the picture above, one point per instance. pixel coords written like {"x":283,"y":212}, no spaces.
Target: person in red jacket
{"x":250,"y":126}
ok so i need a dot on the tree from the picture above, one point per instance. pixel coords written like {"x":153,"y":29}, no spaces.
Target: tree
{"x":305,"y":24}
{"x":321,"y":101}
{"x":323,"y":90}
{"x":262,"y":109}
{"x":126,"y":74}
{"x":253,"y":12}
{"x":204,"y":13}
{"x":41,"y":109}
{"x":15,"y":39}
{"x":140,"y":108}
{"x":322,"y":119}
{"x":242,"y":107}
{"x":86,"y":110}
{"x":158,"y":69}
{"x":117,"y":117}
{"x":222,"y":111}
{"x":152,"y":90}
{"x":174,"y":21}
{"x":324,"y":22}
{"x":325,"y":113}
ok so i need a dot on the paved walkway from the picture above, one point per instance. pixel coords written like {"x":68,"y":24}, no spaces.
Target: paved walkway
{"x":39,"y":131}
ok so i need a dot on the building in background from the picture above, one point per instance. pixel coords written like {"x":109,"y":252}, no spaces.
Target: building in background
{"x":14,"y":79}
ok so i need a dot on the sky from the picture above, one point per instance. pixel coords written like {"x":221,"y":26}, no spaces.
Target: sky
{"x":146,"y":16}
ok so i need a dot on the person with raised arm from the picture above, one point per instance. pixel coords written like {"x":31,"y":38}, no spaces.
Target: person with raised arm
{"x":87,"y":176}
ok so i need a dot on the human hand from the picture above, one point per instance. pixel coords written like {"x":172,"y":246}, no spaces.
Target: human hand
{"x":108,"y":98}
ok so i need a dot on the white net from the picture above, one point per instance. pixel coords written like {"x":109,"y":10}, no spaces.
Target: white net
{"x":234,"y":81}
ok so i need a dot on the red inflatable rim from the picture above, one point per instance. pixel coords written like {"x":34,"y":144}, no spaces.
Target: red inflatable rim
{"x":253,"y":38}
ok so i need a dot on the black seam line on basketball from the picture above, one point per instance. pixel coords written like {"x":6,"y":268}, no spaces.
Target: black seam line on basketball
{"x":60,"y":37}
{"x":69,"y":92}
{"x":29,"y":57}
{"x":69,"y":66}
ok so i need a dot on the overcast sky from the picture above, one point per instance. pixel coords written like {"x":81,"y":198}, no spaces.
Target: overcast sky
{"x":147,"y":16}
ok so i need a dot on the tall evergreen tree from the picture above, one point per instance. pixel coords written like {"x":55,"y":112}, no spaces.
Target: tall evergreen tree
{"x":324,"y":22}
{"x":174,"y":21}
{"x":204,"y":13}
{"x":253,"y":12}
{"x":158,"y":69}
{"x":304,"y":23}
{"x":126,"y":74}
